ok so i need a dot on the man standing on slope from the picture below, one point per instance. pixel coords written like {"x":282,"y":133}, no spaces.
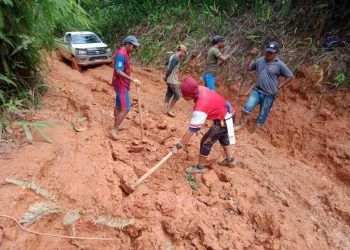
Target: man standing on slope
{"x":269,"y":68}
{"x":172,"y":79}
{"x":214,"y":56}
{"x":121,"y":81}
{"x":212,"y":106}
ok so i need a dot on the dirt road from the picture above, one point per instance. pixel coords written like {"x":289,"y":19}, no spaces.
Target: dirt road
{"x":289,"y":190}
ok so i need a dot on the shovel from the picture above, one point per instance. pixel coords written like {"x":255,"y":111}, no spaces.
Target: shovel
{"x":130,"y":189}
{"x":140,"y":112}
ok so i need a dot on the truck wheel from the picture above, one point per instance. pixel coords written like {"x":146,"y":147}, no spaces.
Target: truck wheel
{"x":59,"y":56}
{"x":75,"y":64}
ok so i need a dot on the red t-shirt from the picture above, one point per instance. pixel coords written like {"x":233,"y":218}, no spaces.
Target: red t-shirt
{"x":209,"y":105}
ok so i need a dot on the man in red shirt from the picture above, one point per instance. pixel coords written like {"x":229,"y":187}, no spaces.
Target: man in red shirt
{"x":212,"y":106}
{"x":121,"y":81}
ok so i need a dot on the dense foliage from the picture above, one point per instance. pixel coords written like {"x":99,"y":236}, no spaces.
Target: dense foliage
{"x":27,"y":29}
{"x":115,"y":18}
{"x":299,"y":25}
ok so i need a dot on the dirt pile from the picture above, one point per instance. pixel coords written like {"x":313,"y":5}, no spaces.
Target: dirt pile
{"x":277,"y":197}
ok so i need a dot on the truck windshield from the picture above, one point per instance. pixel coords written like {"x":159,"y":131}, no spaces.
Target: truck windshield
{"x":85,"y":38}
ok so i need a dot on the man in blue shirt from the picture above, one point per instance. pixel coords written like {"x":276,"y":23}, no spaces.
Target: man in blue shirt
{"x":269,"y":68}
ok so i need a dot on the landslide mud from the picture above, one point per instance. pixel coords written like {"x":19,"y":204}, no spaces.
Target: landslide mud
{"x":289,"y":189}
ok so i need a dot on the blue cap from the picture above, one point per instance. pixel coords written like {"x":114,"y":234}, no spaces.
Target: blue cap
{"x":217,"y":39}
{"x":273,"y":47}
{"x":132,"y":40}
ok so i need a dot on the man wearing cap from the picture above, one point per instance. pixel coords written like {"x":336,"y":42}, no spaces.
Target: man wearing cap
{"x":269,"y":68}
{"x":121,"y":81}
{"x":214,"y":56}
{"x":209,"y":105}
{"x":171,"y":77}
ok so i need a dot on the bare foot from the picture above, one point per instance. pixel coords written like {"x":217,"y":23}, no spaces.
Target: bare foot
{"x":171,"y":113}
{"x":122,"y":128}
{"x":114,"y":134}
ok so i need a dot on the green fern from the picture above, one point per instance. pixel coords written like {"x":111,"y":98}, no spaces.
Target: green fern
{"x":7,"y":80}
{"x":31,"y":185}
{"x":37,"y":126}
{"x":38,"y":210}
{"x":107,"y":220}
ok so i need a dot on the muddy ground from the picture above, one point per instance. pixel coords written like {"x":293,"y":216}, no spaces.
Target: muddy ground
{"x":290,"y":188}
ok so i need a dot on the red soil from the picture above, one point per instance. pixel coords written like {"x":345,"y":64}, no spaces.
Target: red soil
{"x":289,"y":189}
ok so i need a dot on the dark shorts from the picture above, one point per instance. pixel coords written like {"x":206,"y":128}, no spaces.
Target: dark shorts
{"x":173,"y":92}
{"x":217,"y":132}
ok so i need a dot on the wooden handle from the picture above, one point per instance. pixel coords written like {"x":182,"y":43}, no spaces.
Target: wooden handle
{"x":140,"y":112}
{"x":151,"y":171}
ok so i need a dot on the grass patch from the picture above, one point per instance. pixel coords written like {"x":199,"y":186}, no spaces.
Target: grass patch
{"x":193,"y":182}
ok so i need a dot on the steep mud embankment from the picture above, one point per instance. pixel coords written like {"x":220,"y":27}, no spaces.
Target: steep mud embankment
{"x":279,"y":196}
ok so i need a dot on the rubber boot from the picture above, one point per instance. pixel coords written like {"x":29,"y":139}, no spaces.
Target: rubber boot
{"x":257,"y":127}
{"x":242,"y":121}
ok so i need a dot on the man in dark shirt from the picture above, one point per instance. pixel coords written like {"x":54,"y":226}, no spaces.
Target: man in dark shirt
{"x":269,"y":68}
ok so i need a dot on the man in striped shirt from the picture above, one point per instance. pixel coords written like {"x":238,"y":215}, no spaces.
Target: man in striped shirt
{"x":212,"y":106}
{"x":172,"y":79}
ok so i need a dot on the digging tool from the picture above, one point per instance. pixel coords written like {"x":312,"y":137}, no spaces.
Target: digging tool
{"x":250,"y":89}
{"x":242,"y":83}
{"x":140,"y":112}
{"x":229,"y":56}
{"x":130,"y":189}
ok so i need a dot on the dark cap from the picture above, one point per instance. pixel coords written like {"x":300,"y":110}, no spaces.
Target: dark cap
{"x":132,"y":40}
{"x":273,"y":47}
{"x":217,"y":39}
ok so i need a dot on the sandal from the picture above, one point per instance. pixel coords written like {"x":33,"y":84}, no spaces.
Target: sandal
{"x":228,"y":162}
{"x":196,"y":170}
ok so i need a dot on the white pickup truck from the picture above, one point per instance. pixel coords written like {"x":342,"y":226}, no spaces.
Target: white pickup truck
{"x":83,"y":49}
